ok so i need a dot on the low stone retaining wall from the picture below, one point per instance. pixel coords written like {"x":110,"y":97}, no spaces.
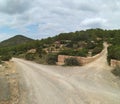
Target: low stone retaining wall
{"x":81,"y":60}
{"x":115,"y":63}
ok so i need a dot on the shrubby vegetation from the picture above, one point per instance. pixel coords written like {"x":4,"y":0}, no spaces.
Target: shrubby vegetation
{"x":71,"y":52}
{"x":78,"y":43}
{"x":30,"y":56}
{"x":116,"y":71}
{"x":1,"y":62}
{"x":114,"y":52}
{"x":71,"y":62}
{"x":51,"y":59}
{"x":5,"y":57}
{"x":97,"y":49}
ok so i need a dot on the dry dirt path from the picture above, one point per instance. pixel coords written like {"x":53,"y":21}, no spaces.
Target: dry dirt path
{"x":90,"y":84}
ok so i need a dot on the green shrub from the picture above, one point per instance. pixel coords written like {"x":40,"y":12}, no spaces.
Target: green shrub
{"x":1,"y":62}
{"x":81,"y":52}
{"x":66,"y":52}
{"x":51,"y":59}
{"x":90,"y":45}
{"x":71,"y":62}
{"x":6,"y":57}
{"x":97,"y":50}
{"x":116,"y":71}
{"x":30,"y":56}
{"x":114,"y":52}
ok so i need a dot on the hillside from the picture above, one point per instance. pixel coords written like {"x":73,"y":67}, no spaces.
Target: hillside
{"x":80,"y":43}
{"x":16,"y":40}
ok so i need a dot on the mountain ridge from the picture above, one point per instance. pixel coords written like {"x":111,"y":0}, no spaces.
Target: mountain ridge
{"x":15,"y":40}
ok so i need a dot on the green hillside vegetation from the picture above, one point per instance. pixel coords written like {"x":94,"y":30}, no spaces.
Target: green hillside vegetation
{"x":16,"y":40}
{"x":12,"y":46}
{"x":79,"y":43}
{"x":116,"y":71}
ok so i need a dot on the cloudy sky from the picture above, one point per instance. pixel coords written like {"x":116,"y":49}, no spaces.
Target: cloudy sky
{"x":43,"y":18}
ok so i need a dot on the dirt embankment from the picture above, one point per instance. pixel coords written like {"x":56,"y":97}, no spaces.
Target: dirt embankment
{"x":9,"y":89}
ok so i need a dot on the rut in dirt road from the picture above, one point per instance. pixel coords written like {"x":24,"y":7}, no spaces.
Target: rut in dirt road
{"x":90,"y":84}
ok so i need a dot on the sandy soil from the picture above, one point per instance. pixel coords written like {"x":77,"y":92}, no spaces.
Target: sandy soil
{"x":90,"y":84}
{"x":9,"y":91}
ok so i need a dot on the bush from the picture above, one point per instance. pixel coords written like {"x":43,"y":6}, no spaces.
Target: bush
{"x":116,"y":71}
{"x":1,"y":62}
{"x":30,"y":56}
{"x":6,"y":57}
{"x":90,"y":45}
{"x":71,"y":62}
{"x":114,"y":52}
{"x":51,"y":59}
{"x":82,"y":52}
{"x":97,"y":50}
{"x":66,"y":52}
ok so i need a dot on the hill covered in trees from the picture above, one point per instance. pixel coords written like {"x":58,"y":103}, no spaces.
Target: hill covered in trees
{"x":16,"y":40}
{"x":80,"y":43}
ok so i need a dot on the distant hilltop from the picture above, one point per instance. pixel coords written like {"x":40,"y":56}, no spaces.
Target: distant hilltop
{"x":16,"y":40}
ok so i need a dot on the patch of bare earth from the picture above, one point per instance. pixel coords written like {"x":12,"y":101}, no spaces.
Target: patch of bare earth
{"x":9,"y":89}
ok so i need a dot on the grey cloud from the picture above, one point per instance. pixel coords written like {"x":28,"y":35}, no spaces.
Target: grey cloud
{"x":14,"y":6}
{"x":88,"y":8}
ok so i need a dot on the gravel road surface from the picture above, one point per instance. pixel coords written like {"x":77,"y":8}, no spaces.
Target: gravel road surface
{"x":90,"y":84}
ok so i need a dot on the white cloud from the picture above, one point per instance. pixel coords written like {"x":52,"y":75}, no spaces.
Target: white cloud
{"x":55,"y":16}
{"x":94,"y":23}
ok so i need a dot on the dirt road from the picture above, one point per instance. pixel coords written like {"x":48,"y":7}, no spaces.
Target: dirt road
{"x":90,"y":84}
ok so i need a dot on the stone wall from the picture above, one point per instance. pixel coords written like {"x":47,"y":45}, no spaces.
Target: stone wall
{"x":115,"y":63}
{"x":81,"y":60}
